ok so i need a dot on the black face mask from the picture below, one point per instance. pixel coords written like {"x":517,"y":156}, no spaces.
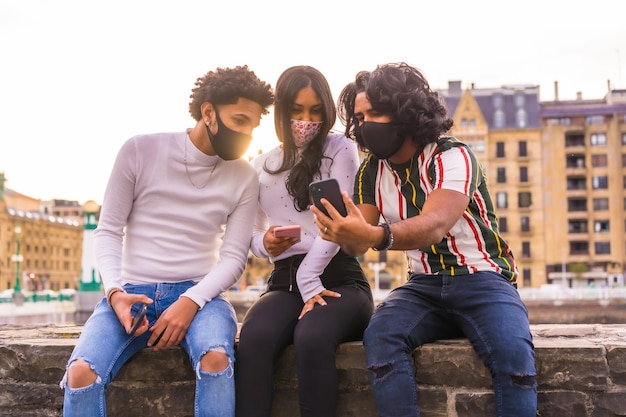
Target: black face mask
{"x":227,"y":143}
{"x":382,"y":139}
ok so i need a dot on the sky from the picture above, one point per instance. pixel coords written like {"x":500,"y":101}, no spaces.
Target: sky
{"x":78,"y":77}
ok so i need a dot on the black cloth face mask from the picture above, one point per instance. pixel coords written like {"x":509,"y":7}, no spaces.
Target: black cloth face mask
{"x":227,"y":143}
{"x":382,"y":139}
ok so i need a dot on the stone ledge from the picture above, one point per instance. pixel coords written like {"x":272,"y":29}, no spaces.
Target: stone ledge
{"x":581,"y":373}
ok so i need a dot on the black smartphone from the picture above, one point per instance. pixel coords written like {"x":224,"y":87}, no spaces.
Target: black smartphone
{"x":138,"y":317}
{"x":328,"y":189}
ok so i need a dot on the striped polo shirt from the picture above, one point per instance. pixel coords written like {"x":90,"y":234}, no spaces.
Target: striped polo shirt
{"x":399,"y":191}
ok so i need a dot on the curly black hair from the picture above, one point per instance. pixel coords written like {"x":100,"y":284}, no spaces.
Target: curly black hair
{"x":303,"y":167}
{"x":402,"y":92}
{"x":226,"y":86}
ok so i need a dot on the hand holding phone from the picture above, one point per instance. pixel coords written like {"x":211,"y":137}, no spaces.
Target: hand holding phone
{"x":287,"y":231}
{"x":138,"y":318}
{"x":328,"y":189}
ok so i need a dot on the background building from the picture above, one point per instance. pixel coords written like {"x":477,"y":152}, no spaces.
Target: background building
{"x":557,"y":172}
{"x":43,"y":250}
{"x":584,"y":159}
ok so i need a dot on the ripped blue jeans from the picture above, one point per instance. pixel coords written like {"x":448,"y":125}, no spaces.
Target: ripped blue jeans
{"x":483,"y":307}
{"x":106,"y":346}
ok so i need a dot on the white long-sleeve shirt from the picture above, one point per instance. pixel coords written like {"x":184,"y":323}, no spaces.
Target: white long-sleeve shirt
{"x":155,"y":226}
{"x":276,"y":208}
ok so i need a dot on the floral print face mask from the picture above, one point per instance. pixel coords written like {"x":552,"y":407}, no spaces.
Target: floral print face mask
{"x":304,"y":131}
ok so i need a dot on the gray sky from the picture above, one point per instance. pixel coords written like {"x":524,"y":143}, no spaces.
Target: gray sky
{"x":80,"y":77}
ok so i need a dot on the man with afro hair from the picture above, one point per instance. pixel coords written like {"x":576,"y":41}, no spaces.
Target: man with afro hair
{"x":173,"y":235}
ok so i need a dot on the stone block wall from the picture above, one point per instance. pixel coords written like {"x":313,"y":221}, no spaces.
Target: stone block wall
{"x":581,"y":373}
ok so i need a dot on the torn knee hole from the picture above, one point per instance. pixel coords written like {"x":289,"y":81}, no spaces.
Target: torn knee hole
{"x":380,"y":370}
{"x":524,"y":380}
{"x":81,"y":374}
{"x":215,"y":360}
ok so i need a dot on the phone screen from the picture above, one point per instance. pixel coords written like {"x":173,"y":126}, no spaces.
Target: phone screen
{"x":328,"y":189}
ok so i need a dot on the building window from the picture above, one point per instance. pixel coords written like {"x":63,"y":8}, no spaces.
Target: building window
{"x":501,"y":174}
{"x":526,"y":277}
{"x":602,"y":204}
{"x":523,"y":174}
{"x":598,"y":161}
{"x":577,"y":226}
{"x":523,"y":149}
{"x":501,"y":200}
{"x":575,"y":139}
{"x":595,"y":120}
{"x":600,"y":182}
{"x":601,"y":226}
{"x":525,"y":223}
{"x":521,"y":118}
{"x":598,"y":139}
{"x":579,"y":248}
{"x":576,"y":204}
{"x":602,"y":248}
{"x":624,"y":138}
{"x":499,"y":149}
{"x":524,"y":199}
{"x":565,"y":121}
{"x":497,"y":100}
{"x":502,"y":225}
{"x":525,"y":249}
{"x":624,"y":159}
{"x":498,"y":119}
{"x":576,"y":183}
{"x":574,"y":160}
{"x":479,"y":146}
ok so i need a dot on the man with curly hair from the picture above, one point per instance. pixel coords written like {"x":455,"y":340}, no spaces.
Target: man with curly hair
{"x":173,"y":235}
{"x":429,"y":193}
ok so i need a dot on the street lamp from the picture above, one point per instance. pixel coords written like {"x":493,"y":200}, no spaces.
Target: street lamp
{"x":18,"y":297}
{"x":376,"y":267}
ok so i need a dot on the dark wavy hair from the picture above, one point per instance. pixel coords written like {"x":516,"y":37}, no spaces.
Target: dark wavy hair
{"x":226,"y":86}
{"x":303,"y":167}
{"x":402,"y":92}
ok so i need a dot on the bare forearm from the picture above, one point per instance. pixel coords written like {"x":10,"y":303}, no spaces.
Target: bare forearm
{"x":441,"y":211}
{"x":415,"y":233}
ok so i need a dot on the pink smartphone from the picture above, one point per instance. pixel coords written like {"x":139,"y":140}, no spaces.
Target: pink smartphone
{"x":287,"y":231}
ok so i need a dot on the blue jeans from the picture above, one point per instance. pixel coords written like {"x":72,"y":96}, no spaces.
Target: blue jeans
{"x":106,"y":346}
{"x":484,"y":307}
